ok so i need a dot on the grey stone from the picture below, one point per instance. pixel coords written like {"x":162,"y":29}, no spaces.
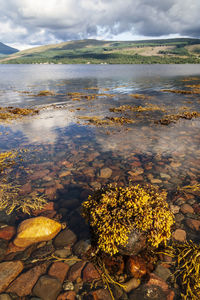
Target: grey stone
{"x":162,"y":272}
{"x":65,"y":238}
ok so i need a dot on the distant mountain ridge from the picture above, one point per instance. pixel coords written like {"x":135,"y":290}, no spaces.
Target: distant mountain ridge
{"x":6,"y":50}
{"x":91,"y":51}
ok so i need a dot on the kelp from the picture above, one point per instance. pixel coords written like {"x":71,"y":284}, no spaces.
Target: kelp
{"x":113,"y":212}
{"x":12,"y":113}
{"x":109,"y":121}
{"x":166,"y":120}
{"x":7,"y":159}
{"x":139,"y":108}
{"x":10,"y":200}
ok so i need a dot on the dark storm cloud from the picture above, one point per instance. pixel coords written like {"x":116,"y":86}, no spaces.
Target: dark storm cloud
{"x":47,"y":21}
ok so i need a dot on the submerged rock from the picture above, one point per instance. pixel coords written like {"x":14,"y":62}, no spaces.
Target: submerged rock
{"x":36,"y":230}
{"x":47,"y":288}
{"x":8,"y":272}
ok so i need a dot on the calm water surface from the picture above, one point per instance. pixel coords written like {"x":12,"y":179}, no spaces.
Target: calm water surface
{"x":66,"y":153}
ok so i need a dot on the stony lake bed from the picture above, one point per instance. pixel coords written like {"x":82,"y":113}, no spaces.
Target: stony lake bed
{"x":66,"y":131}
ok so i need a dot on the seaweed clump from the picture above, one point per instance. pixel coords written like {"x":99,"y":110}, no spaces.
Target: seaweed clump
{"x":13,"y":113}
{"x":188,"y":265}
{"x":7,"y":159}
{"x":113,"y":212}
{"x":10,"y":200}
{"x":166,"y":120}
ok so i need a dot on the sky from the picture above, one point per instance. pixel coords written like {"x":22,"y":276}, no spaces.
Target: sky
{"x":29,"y":23}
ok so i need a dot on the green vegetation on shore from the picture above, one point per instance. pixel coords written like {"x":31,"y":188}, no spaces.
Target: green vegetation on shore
{"x":175,"y":51}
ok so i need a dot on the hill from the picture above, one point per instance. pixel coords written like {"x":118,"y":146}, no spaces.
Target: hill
{"x":182,"y":50}
{"x":6,"y":50}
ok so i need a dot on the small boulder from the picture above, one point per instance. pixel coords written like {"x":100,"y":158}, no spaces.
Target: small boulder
{"x":9,"y":270}
{"x":179,"y":235}
{"x":65,"y":238}
{"x":6,"y":233}
{"x":22,"y":286}
{"x":36,"y":230}
{"x":59,"y":270}
{"x":105,"y":173}
{"x":47,"y":288}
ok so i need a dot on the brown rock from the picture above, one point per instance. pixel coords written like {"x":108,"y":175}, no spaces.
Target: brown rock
{"x":39,"y":174}
{"x":22,"y":286}
{"x":50,"y":192}
{"x":47,"y":207}
{"x":13,"y":249}
{"x":47,"y":288}
{"x":155,"y":280}
{"x":132,"y":284}
{"x":26,"y":189}
{"x":170,"y":295}
{"x":196,"y":208}
{"x":101,"y":294}
{"x":70,"y":295}
{"x":9,"y":270}
{"x":179,"y":235}
{"x":75,"y":270}
{"x":65,"y":238}
{"x":105,"y":173}
{"x":7,"y":233}
{"x":136,"y":266}
{"x":36,"y":230}
{"x":186,"y":208}
{"x":90,"y":273}
{"x":59,"y":270}
{"x":193,"y":224}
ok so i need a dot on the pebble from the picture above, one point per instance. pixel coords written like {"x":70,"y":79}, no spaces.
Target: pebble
{"x":76,"y":270}
{"x":186,"y":208}
{"x":5,"y":297}
{"x":81,"y":247}
{"x":162,"y":272}
{"x":70,"y":295}
{"x":22,"y":286}
{"x":47,"y":288}
{"x":101,"y":294}
{"x":136,"y":266}
{"x":65,"y":238}
{"x":105,"y":173}
{"x":68,"y":286}
{"x":9,"y":270}
{"x":36,"y":230}
{"x":63,"y":253}
{"x":59,"y":270}
{"x":132,"y":284}
{"x":179,"y":235}
{"x":193,"y":224}
{"x":90,"y":273}
{"x":174,"y":209}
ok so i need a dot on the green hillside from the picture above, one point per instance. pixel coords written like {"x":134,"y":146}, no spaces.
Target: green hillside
{"x":182,"y":50}
{"x":6,"y":50}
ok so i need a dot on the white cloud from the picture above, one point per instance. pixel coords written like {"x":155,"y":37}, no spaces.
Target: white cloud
{"x":35,"y":22}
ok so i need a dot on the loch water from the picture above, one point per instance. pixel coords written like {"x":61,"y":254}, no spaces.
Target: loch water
{"x":65,"y":155}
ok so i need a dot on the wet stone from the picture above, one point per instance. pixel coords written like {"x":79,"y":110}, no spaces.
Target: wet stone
{"x":8,"y":272}
{"x":162,"y":272}
{"x":23,"y":285}
{"x":76,"y":270}
{"x":3,"y":248}
{"x":6,"y":233}
{"x":132,"y":284}
{"x":5,"y":297}
{"x":179,"y":235}
{"x":90,"y":273}
{"x":70,"y":295}
{"x":81,"y":247}
{"x":65,"y":238}
{"x":68,"y":286}
{"x":193,"y":224}
{"x":59,"y":270}
{"x":186,"y":208}
{"x":63,"y":253}
{"x":101,"y":294}
{"x":105,"y":173}
{"x":47,"y":288}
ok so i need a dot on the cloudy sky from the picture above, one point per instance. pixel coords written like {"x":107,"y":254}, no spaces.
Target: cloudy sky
{"x":29,"y":23}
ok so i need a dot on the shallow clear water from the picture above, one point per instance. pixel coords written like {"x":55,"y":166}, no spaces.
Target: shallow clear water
{"x":66,"y":153}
